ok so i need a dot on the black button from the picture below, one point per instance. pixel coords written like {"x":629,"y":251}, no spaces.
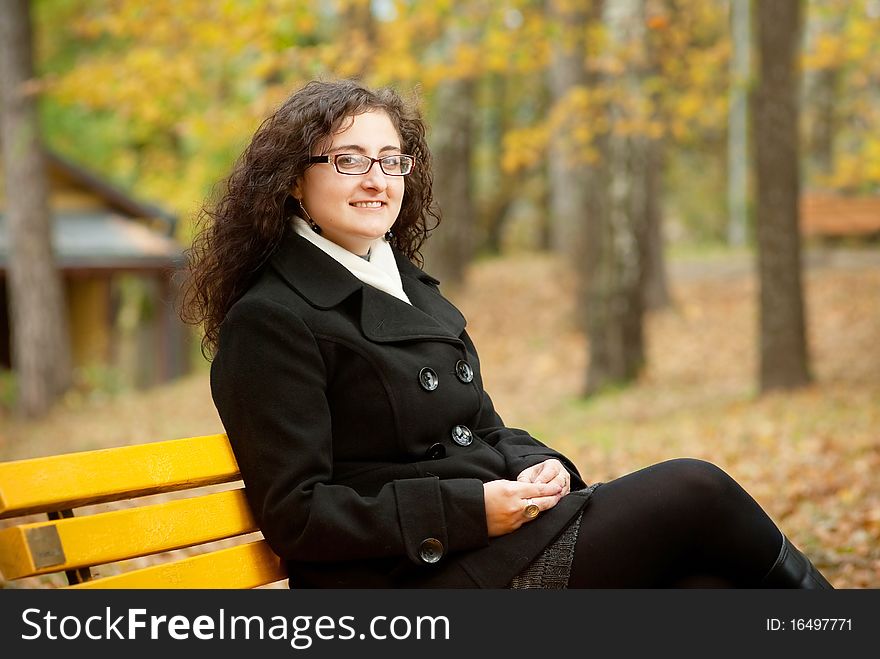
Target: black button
{"x":462,"y":435}
{"x":428,"y":379}
{"x":436,"y":452}
{"x":463,"y":371}
{"x":431,"y":550}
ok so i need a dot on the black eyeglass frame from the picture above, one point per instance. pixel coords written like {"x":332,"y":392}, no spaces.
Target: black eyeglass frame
{"x":332,"y":160}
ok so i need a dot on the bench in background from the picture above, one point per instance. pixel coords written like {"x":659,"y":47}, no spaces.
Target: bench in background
{"x":103,"y":512}
{"x":835,"y":217}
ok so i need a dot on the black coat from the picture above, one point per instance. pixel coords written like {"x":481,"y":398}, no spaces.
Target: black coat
{"x":359,"y":471}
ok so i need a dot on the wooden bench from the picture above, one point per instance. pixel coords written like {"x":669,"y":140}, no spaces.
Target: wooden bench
{"x":833,"y":217}
{"x":113,"y":521}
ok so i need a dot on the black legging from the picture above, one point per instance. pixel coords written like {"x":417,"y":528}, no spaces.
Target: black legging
{"x":680,"y":523}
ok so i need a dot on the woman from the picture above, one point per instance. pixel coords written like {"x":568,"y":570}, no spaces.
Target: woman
{"x":352,"y":395}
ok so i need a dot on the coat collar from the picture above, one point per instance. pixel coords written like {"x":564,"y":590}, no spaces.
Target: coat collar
{"x":325,"y":283}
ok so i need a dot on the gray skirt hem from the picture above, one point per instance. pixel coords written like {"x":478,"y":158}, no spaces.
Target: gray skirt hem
{"x":552,"y":567}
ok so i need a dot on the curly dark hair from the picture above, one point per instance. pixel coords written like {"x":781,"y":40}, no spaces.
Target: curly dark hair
{"x":238,"y":232}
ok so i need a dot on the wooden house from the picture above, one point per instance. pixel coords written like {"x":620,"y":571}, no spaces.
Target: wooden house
{"x":117,"y":257}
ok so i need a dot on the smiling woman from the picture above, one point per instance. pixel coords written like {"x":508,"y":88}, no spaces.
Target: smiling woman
{"x":352,"y":396}
{"x":353,"y":211}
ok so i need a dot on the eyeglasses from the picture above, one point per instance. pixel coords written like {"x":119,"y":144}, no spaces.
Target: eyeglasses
{"x":355,"y":164}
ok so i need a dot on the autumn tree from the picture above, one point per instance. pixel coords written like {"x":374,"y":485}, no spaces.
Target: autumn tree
{"x":655,"y":291}
{"x":40,"y":348}
{"x":783,"y":344}
{"x":823,"y":86}
{"x":500,"y":188}
{"x":570,"y":160}
{"x":613,"y":267}
{"x":451,"y":136}
{"x":841,"y":65}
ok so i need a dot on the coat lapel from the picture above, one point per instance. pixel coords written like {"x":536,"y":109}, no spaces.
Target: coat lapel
{"x":325,"y":283}
{"x":421,"y":288}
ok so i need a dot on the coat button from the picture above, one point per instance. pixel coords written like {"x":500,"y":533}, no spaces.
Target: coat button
{"x":463,"y":371}
{"x":431,"y":550}
{"x":462,"y":435}
{"x":436,"y":452}
{"x":428,"y":379}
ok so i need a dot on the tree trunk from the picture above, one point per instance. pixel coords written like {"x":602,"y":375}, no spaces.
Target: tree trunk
{"x":822,"y":93}
{"x":614,"y":268}
{"x":825,"y":123}
{"x":737,"y":129}
{"x":450,"y":248}
{"x":566,"y":172}
{"x":501,"y":189}
{"x":359,"y":27}
{"x":783,"y":345}
{"x":499,"y":192}
{"x":40,"y":338}
{"x":656,"y":280}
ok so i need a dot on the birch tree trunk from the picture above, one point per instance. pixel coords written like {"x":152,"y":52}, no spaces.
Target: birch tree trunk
{"x":737,"y":125}
{"x":613,"y":272}
{"x":566,"y":173}
{"x":40,"y":338}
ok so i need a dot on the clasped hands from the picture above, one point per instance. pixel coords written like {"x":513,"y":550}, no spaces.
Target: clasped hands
{"x":542,"y":485}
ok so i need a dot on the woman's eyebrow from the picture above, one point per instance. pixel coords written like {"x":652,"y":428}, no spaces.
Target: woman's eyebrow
{"x":359,"y":149}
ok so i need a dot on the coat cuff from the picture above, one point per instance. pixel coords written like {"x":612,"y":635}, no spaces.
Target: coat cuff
{"x":465,"y":507}
{"x":426,"y":506}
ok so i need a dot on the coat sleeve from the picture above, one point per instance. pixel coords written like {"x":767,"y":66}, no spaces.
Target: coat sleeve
{"x":269,"y":382}
{"x":519,"y":448}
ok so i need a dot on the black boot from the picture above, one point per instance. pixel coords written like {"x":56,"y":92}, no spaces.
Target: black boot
{"x":794,"y":570}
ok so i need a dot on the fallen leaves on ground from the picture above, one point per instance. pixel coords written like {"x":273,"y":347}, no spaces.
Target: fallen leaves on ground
{"x":811,"y":458}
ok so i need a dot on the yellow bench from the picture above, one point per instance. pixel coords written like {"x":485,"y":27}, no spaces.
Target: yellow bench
{"x":168,"y":514}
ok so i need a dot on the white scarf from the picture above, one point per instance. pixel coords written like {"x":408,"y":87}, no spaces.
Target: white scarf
{"x":380,"y":271}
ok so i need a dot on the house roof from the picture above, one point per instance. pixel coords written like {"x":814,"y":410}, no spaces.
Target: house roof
{"x":104,"y":241}
{"x":113,"y":197}
{"x":119,"y":233}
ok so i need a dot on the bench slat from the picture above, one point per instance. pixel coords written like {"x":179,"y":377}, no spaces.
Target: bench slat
{"x":77,"y":479}
{"x":44,"y":547}
{"x":243,"y":566}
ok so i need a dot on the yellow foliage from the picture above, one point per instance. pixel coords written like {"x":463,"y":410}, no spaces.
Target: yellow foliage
{"x":166,"y":66}
{"x":521,"y":146}
{"x":468,"y":60}
{"x":828,"y":52}
{"x":689,"y":106}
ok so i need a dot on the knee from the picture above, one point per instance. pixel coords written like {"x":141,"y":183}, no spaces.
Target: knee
{"x":700,"y":480}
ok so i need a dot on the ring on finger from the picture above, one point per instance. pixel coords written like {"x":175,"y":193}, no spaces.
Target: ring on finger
{"x":531,"y":510}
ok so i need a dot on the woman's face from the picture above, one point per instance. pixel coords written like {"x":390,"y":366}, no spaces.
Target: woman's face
{"x":353,"y":211}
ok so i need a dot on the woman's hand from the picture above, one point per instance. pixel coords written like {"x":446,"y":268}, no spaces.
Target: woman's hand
{"x":506,"y":502}
{"x":549,"y":471}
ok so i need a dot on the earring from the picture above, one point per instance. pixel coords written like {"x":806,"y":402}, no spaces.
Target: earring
{"x":308,"y":218}
{"x":389,"y":235}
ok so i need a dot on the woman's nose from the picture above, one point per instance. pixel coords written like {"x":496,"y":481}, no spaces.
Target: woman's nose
{"x":375,"y":178}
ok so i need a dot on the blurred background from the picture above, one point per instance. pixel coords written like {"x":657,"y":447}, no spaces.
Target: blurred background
{"x":660,"y":217}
